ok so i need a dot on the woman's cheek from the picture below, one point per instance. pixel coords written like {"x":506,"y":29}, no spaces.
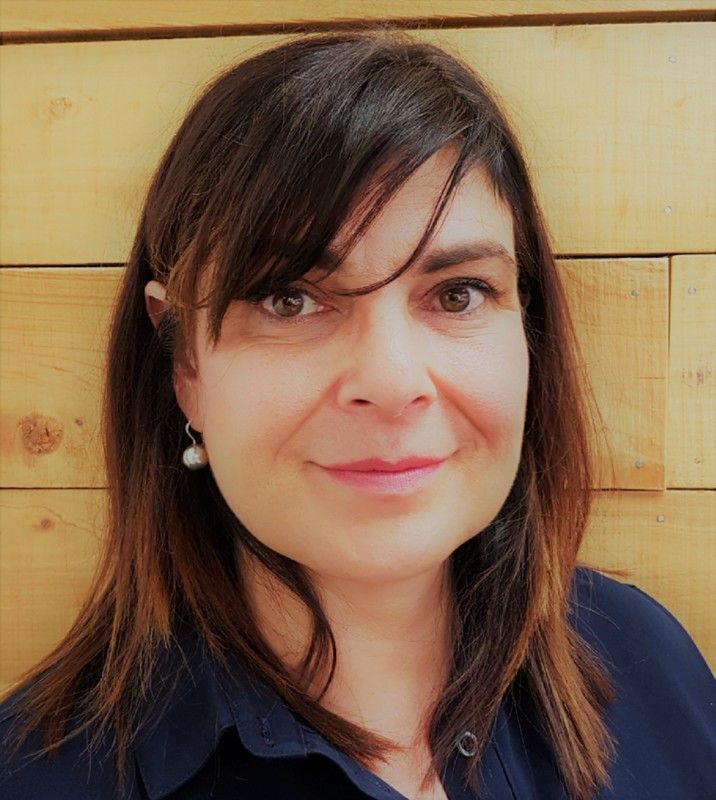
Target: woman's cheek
{"x":253,"y":408}
{"x":490,"y":376}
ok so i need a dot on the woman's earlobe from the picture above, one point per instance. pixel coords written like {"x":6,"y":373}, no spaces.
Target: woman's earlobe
{"x":155,"y":300}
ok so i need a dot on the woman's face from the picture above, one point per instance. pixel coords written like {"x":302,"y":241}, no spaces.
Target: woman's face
{"x":300,"y":383}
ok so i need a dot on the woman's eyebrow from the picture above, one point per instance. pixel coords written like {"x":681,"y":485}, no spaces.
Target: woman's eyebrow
{"x":440,"y":257}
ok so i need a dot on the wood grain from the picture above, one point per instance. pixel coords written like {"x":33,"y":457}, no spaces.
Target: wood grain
{"x":620,"y":308}
{"x":50,"y":541}
{"x":53,"y":329}
{"x":91,"y":15}
{"x":691,"y":419}
{"x":617,"y":123}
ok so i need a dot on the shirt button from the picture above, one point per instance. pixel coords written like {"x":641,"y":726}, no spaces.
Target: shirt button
{"x":467,"y":744}
{"x":266,"y":733}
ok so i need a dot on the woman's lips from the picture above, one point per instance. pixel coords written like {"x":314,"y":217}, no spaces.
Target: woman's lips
{"x":382,"y":482}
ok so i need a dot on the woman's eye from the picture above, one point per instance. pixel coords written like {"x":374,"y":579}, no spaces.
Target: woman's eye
{"x":286,"y":303}
{"x":455,"y":296}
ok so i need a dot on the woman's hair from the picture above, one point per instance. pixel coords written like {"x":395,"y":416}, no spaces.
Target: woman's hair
{"x":268,"y":165}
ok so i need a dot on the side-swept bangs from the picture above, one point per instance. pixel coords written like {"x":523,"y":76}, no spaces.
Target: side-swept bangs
{"x":290,"y":162}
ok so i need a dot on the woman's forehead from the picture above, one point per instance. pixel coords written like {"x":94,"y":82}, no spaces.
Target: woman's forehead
{"x":472,"y":214}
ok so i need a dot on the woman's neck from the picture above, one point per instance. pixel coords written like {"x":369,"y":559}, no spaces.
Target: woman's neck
{"x":392,"y":643}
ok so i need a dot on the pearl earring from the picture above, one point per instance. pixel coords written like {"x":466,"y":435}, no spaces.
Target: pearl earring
{"x":195,"y":456}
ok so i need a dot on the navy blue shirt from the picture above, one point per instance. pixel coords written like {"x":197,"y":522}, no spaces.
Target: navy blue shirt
{"x":214,"y":740}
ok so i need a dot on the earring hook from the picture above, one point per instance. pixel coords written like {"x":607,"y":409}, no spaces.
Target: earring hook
{"x":189,"y":433}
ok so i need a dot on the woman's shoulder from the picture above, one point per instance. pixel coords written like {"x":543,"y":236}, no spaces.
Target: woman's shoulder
{"x":177,"y":725}
{"x":82,"y":767}
{"x":663,"y":715}
{"x":67,"y":774}
{"x":642,"y":640}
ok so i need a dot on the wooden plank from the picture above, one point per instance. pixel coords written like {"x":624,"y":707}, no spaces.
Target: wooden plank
{"x":49,"y":546}
{"x":616,"y":120}
{"x":621,"y":315}
{"x":53,"y":327}
{"x":691,"y":429}
{"x":605,"y":123}
{"x":668,"y":541}
{"x":50,"y":540}
{"x":19,"y":16}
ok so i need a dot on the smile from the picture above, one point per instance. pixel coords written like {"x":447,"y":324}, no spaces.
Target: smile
{"x":383,"y":482}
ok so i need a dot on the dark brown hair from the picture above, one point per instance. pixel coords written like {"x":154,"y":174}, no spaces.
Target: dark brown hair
{"x":264,"y":171}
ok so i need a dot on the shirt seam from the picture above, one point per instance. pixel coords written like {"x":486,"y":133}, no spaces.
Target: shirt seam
{"x":504,"y":770}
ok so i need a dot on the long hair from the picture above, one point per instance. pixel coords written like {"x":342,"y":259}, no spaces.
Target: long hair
{"x":265,"y":169}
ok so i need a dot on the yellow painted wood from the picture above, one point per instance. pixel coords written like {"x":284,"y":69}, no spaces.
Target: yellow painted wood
{"x":53,"y":327}
{"x":668,"y":541}
{"x":621,"y":315}
{"x":84,"y":15}
{"x":49,"y":545}
{"x":50,"y":540}
{"x":691,"y":427}
{"x":617,"y":122}
{"x":53,"y":324}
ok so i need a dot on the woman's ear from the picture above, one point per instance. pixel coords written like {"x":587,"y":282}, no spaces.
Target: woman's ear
{"x":155,"y":295}
{"x":185,"y":380}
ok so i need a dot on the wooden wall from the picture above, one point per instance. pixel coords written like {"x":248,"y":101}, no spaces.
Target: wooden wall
{"x":614,"y":102}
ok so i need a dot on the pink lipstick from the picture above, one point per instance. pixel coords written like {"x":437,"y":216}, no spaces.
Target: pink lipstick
{"x":384,"y":477}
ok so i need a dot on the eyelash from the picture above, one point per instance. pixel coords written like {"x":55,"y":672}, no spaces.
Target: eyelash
{"x":488,"y":289}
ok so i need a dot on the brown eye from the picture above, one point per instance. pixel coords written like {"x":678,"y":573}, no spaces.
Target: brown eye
{"x":455,"y":298}
{"x":290,"y":301}
{"x":286,"y":304}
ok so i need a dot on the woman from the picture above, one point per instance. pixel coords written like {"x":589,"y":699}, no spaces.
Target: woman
{"x":362,"y":580}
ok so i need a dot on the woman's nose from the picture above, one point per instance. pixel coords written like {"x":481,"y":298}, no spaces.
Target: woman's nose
{"x":387,"y":364}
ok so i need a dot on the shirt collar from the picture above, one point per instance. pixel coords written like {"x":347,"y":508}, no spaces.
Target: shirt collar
{"x":194,"y":703}
{"x":197,"y":701}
